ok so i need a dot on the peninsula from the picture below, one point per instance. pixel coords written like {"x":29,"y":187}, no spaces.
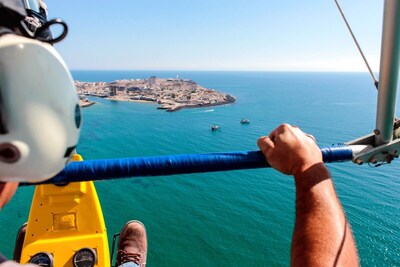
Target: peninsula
{"x":170,"y":94}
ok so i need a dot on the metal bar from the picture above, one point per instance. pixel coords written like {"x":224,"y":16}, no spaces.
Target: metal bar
{"x":389,"y":73}
{"x":95,"y":170}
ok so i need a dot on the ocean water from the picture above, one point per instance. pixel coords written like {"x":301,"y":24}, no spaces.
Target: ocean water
{"x":238,"y":217}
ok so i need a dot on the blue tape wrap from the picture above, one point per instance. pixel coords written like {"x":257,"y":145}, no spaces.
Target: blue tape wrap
{"x":94,"y":170}
{"x":337,"y":153}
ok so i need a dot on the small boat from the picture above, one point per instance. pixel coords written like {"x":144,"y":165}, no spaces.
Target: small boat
{"x":215,"y":128}
{"x":244,"y":121}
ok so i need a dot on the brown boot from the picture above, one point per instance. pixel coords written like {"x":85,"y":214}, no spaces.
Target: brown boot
{"x":132,"y":244}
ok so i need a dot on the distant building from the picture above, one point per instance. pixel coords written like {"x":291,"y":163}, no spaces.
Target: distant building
{"x":113,"y":91}
{"x":152,"y":80}
{"x":133,"y":89}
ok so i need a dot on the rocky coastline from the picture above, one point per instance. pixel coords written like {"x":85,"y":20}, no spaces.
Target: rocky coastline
{"x":170,"y":94}
{"x":84,"y":102}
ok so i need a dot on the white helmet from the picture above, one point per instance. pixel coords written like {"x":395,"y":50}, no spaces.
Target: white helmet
{"x":40,"y":117}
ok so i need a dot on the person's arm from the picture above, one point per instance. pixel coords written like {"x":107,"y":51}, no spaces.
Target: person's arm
{"x":7,"y":190}
{"x":322,"y":235}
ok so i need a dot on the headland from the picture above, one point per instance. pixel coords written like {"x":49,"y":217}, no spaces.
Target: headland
{"x":170,"y":94}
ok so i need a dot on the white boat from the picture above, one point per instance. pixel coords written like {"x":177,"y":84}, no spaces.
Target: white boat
{"x":215,"y":128}
{"x":244,"y":121}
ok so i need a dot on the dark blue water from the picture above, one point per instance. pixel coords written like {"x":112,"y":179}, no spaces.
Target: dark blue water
{"x":237,"y":217}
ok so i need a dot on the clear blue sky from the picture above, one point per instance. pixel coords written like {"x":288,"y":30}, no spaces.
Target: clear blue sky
{"x":218,"y":34}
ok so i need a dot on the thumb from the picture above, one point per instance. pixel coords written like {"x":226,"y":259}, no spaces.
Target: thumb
{"x":266,"y":145}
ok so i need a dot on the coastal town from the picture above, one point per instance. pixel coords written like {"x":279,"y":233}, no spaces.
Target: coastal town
{"x":171,"y":94}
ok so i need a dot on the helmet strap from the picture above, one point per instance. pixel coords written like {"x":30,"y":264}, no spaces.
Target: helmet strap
{"x":16,"y":19}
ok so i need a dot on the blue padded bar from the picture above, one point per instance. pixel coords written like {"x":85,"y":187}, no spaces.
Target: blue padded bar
{"x":337,"y":153}
{"x":95,"y":170}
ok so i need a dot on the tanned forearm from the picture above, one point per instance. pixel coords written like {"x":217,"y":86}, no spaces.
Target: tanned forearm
{"x":322,"y":235}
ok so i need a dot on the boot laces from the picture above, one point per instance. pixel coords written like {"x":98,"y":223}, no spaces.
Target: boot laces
{"x":129,"y":257}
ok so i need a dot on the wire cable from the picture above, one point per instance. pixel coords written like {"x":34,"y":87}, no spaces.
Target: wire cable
{"x":358,"y":45}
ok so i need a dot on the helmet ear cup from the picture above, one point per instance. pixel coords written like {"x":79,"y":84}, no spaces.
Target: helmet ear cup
{"x":9,"y":153}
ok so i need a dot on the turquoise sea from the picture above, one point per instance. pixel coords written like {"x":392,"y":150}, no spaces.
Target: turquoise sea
{"x":234,"y":218}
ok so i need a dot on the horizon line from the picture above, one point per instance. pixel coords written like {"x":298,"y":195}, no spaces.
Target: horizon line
{"x":205,"y":70}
